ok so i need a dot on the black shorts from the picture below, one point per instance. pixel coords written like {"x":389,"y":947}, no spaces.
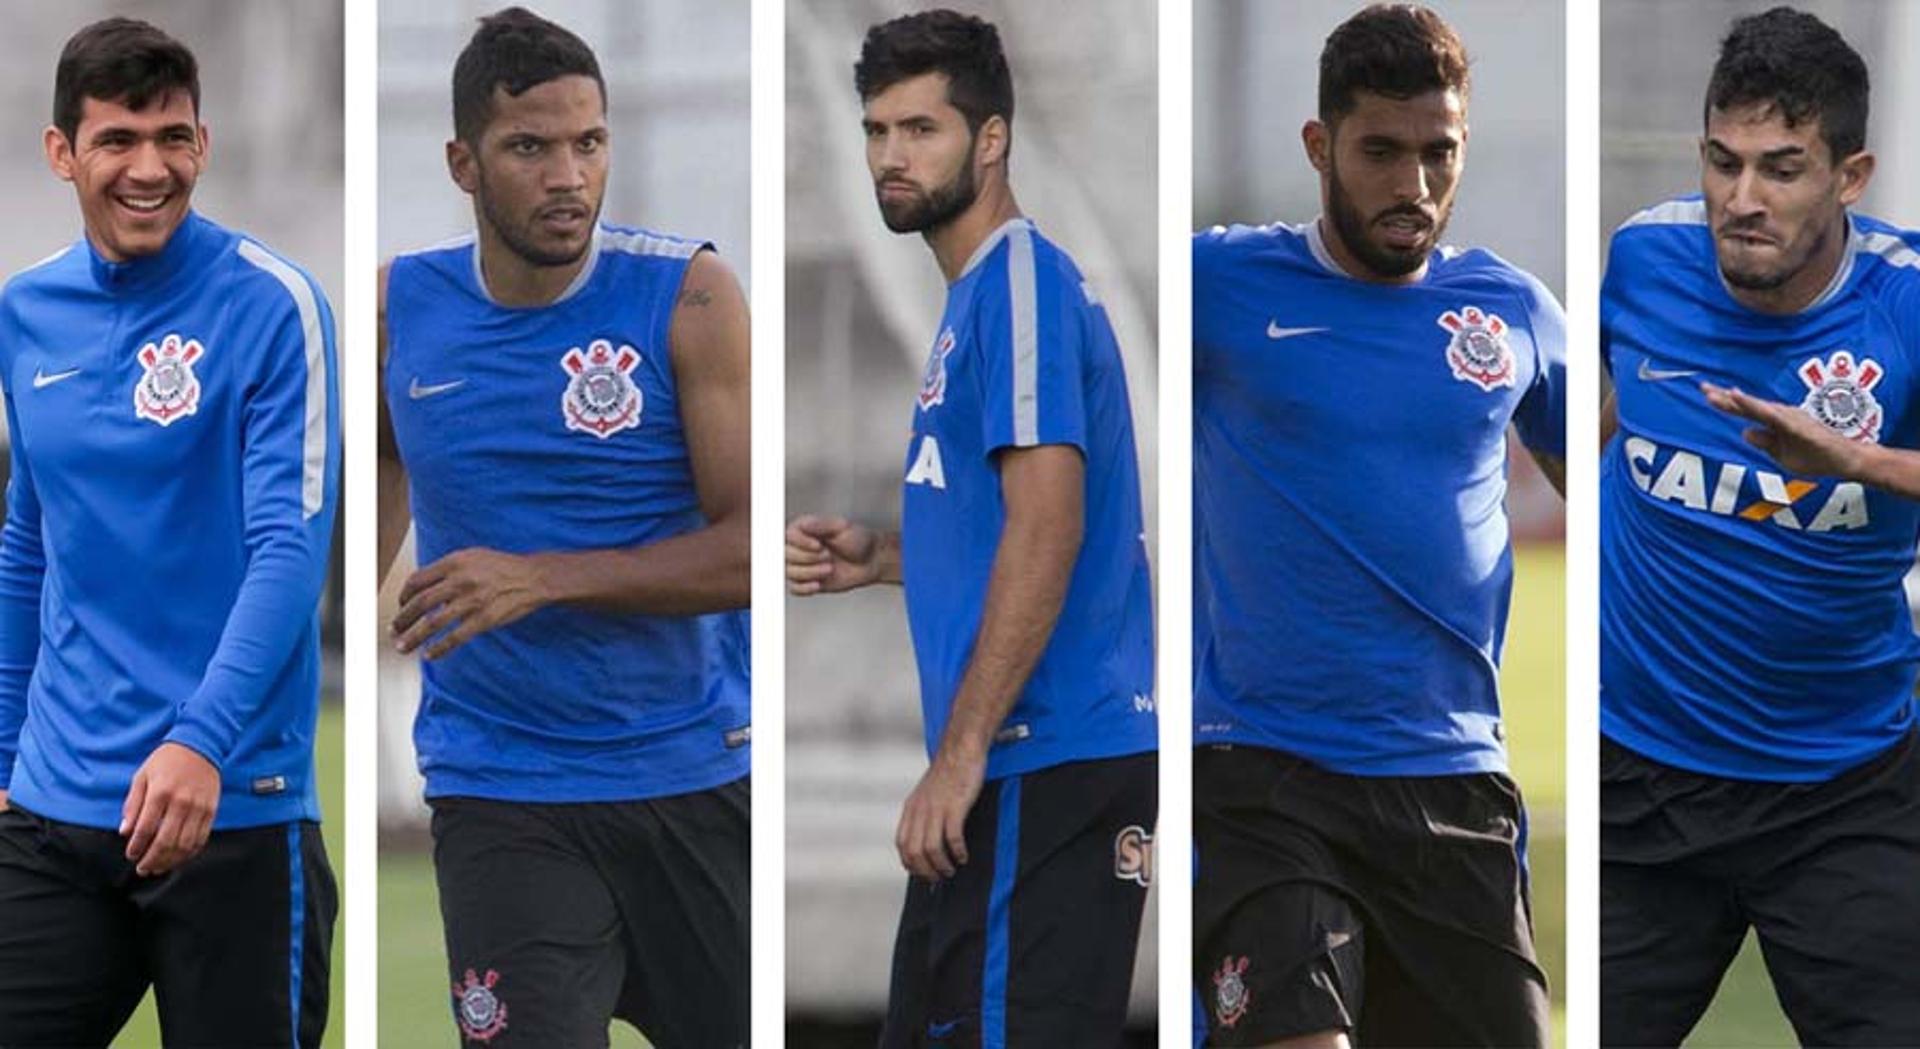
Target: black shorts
{"x":1032,"y":942}
{"x":1826,"y":874}
{"x":561,"y":917}
{"x":235,"y":943}
{"x":1394,"y":908}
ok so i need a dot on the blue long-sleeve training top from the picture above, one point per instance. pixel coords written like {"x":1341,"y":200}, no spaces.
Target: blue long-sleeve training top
{"x":176,"y":455}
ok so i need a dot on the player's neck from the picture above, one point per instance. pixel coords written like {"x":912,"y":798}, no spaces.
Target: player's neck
{"x":1799,"y":291}
{"x":513,"y":281}
{"x":1351,"y":265}
{"x":954,"y":243}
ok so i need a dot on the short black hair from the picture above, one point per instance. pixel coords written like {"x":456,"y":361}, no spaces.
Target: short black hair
{"x":965,"y":48}
{"x":120,"y":60}
{"x":514,"y":49}
{"x":1396,"y":50}
{"x":1799,"y":65}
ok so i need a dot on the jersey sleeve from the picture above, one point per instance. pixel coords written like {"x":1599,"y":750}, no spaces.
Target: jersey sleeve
{"x":290,"y":464}
{"x":1033,"y":335}
{"x":1206,"y":252}
{"x":23,"y":569}
{"x":1542,"y":415}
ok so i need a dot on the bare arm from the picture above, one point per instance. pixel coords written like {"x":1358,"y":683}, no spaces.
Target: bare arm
{"x":471,"y":591}
{"x":1804,"y":445}
{"x":1554,"y":469}
{"x":1609,"y":417}
{"x":395,"y":516}
{"x":1043,"y":488}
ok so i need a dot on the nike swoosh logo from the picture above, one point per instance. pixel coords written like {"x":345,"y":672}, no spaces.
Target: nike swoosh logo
{"x":415,"y":391}
{"x":1275,"y":331}
{"x":1648,"y":373}
{"x":942,"y":1030}
{"x":41,"y":378}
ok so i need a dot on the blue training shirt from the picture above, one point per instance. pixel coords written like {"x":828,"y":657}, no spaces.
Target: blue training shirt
{"x":557,"y":428}
{"x":1752,"y":623}
{"x":1025,"y":357}
{"x":175,"y":447}
{"x":1351,"y":560}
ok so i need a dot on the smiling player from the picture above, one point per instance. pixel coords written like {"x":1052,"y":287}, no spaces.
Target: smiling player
{"x":175,"y":456}
{"x":1757,"y":658}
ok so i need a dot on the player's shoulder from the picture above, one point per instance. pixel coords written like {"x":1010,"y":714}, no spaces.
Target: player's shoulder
{"x":1891,"y":253}
{"x":639,"y":242}
{"x":1483,"y":269}
{"x":260,"y":276}
{"x":1227,"y":244}
{"x":1671,"y":226}
{"x":54,"y":270}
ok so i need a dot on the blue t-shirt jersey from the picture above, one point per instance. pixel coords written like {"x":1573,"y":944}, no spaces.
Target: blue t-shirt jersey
{"x":557,"y":428}
{"x":175,"y":445}
{"x":1752,"y":623}
{"x":1351,"y":560}
{"x":1025,"y":357}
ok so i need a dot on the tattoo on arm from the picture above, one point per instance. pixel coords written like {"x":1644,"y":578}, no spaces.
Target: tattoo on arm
{"x":696,"y":297}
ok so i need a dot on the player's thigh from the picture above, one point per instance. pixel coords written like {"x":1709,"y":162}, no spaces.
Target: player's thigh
{"x":239,"y":939}
{"x":1666,"y":938}
{"x":680,"y":869}
{"x":534,"y":948}
{"x":70,"y":967}
{"x":1443,"y":886}
{"x":1840,"y":929}
{"x":1064,"y":913}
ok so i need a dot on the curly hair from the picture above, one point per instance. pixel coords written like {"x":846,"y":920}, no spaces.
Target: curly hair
{"x":1801,"y":67}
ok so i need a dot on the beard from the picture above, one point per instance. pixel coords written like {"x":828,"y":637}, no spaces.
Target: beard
{"x":519,"y":237}
{"x":1351,"y":227}
{"x":1756,"y":279}
{"x":934,"y":208}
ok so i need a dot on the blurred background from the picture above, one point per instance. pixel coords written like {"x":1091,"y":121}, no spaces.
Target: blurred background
{"x":1655,"y":58}
{"x":1256,"y":75}
{"x":862,"y":307}
{"x":677,"y":104}
{"x":271,"y":95}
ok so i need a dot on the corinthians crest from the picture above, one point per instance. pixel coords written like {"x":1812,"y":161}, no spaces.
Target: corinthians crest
{"x":933,"y":381}
{"x":481,"y":1014}
{"x":1230,"y":996}
{"x":1840,"y":394}
{"x":601,"y":398}
{"x":1478,"y":352}
{"x":167,"y":391}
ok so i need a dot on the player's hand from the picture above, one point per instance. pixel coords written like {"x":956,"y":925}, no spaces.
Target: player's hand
{"x":465,"y":593}
{"x":932,"y":839}
{"x":169,"y":811}
{"x":826,"y":555}
{"x":1794,"y":439}
{"x":3,"y":799}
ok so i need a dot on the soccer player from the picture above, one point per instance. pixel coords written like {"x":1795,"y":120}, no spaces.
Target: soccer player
{"x":1362,"y":872}
{"x":1022,"y":555}
{"x":175,"y":457}
{"x":1757,"y":661}
{"x":566,"y":405}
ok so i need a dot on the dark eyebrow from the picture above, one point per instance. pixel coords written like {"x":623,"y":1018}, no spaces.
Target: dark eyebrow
{"x":1783,"y":153}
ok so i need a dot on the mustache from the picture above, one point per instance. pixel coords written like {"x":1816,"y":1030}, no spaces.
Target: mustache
{"x":563,"y":204}
{"x":1410,"y":210}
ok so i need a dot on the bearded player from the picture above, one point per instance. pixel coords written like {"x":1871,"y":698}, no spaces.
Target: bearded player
{"x":566,"y":416}
{"x":1362,"y":875}
{"x":1021,"y":553}
{"x":1757,"y":659}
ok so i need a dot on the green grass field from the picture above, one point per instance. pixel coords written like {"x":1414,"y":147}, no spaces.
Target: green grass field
{"x":143,"y":1031}
{"x":1533,"y":697}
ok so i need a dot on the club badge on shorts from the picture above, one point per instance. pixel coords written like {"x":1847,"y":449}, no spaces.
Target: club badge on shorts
{"x":1478,"y":352}
{"x":1230,"y":994}
{"x":1840,"y":394}
{"x":480,"y":1012}
{"x":933,"y":381}
{"x":601,"y":397}
{"x":167,"y":390}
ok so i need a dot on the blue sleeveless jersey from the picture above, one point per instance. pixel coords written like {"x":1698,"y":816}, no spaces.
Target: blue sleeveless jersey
{"x":557,"y":428}
{"x":1351,"y":561}
{"x":175,"y":446}
{"x":1025,"y":357}
{"x":1752,"y":623}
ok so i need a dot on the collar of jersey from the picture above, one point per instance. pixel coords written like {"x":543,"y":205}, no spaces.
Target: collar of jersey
{"x":573,"y":287}
{"x":146,"y":271}
{"x":993,"y":239}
